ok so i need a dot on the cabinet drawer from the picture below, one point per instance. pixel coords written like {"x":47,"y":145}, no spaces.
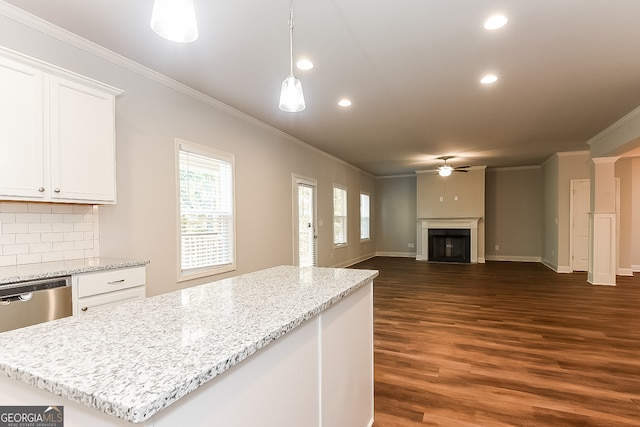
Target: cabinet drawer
{"x":101,"y":282}
{"x":100,"y":302}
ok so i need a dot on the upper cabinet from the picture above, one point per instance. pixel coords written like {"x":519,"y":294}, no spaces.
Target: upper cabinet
{"x":57,"y":134}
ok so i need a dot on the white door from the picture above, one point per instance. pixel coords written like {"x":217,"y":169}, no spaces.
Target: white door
{"x":21,"y":131}
{"x":305,"y":236}
{"x":580,"y":207}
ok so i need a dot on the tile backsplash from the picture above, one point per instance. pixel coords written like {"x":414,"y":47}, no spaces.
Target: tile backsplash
{"x":41,"y":232}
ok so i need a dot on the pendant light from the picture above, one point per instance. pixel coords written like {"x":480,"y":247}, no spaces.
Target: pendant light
{"x":291,"y":96}
{"x":175,"y":20}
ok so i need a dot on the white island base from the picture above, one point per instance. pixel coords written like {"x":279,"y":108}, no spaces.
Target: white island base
{"x":318,"y":374}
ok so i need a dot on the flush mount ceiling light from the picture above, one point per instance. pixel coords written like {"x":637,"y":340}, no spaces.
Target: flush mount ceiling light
{"x":304,"y":64}
{"x":174,"y":20}
{"x":496,"y":21}
{"x":488,"y":79}
{"x":291,"y":96}
{"x":344,"y":102}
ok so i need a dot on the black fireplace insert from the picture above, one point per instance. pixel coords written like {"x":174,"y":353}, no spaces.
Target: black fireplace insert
{"x":449,"y":244}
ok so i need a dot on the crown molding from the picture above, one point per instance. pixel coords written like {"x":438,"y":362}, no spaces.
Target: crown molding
{"x":45,"y":27}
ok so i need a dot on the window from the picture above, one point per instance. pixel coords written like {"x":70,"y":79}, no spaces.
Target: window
{"x":206,"y":205}
{"x":365,"y":217}
{"x":339,"y":216}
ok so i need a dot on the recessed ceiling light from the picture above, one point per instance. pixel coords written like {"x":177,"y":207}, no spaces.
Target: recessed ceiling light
{"x":344,"y":102}
{"x":495,"y":22}
{"x":488,"y":79}
{"x":304,"y":64}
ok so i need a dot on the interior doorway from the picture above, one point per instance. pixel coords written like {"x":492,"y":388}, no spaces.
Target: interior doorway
{"x":580,"y":206}
{"x":304,"y":228}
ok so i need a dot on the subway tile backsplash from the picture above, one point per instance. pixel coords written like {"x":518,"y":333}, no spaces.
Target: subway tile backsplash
{"x":41,"y":232}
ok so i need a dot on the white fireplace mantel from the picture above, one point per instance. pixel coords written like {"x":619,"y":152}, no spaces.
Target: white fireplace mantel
{"x":470,"y":224}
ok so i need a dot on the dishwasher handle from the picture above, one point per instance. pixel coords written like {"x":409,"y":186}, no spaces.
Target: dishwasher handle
{"x":16,"y":298}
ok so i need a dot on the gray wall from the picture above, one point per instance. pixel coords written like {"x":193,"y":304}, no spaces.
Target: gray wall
{"x":396,"y":215}
{"x":149,"y":116}
{"x":514,"y":214}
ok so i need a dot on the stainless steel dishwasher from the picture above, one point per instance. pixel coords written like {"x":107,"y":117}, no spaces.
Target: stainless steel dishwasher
{"x":27,"y":303}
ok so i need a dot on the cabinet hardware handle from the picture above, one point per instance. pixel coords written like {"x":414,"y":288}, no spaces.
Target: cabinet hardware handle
{"x":115,"y":281}
{"x":84,"y":309}
{"x":41,"y":189}
{"x":57,"y":190}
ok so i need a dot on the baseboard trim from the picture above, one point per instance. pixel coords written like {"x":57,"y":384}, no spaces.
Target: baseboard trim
{"x":625,"y":272}
{"x":556,"y":268}
{"x":397,"y":254}
{"x":351,"y":262}
{"x":513,"y":258}
{"x":549,"y":264}
{"x":635,"y":268}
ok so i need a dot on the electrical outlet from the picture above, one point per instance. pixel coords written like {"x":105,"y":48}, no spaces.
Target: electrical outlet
{"x":497,"y":248}
{"x":411,"y":245}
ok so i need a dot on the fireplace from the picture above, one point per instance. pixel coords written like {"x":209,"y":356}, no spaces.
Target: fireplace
{"x":449,"y":244}
{"x":448,"y":239}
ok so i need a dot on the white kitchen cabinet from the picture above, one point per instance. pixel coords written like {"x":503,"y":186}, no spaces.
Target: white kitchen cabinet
{"x":21,"y":131}
{"x":57,"y":134}
{"x":102,"y":289}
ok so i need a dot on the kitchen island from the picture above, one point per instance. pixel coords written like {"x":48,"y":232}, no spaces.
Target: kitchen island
{"x":285,"y":346}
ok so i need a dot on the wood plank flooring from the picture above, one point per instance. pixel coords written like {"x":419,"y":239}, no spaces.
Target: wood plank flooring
{"x":503,"y":344}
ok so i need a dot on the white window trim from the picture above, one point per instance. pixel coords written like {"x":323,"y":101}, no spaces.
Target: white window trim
{"x":346,"y":243}
{"x":221,"y":155}
{"x":367,"y":239}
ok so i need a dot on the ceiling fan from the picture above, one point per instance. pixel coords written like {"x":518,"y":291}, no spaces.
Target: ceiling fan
{"x":446,"y":169}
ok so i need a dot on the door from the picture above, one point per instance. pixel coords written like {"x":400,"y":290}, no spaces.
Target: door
{"x":580,"y":207}
{"x":305,"y":236}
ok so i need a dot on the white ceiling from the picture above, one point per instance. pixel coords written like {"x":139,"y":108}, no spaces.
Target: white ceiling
{"x":568,"y":69}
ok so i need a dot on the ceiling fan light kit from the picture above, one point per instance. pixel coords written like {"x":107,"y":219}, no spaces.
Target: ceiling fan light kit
{"x":446,"y":170}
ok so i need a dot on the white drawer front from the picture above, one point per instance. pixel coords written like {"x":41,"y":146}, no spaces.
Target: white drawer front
{"x":109,"y":281}
{"x":100,"y":302}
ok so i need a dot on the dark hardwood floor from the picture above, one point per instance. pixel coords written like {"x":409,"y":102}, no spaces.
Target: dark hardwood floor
{"x":503,"y":344}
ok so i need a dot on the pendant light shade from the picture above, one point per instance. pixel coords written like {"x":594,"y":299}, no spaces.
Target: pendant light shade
{"x":175,"y":20}
{"x":291,"y":96}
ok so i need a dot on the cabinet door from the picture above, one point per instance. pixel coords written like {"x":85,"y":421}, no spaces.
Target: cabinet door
{"x":21,"y":131}
{"x":82,"y":142}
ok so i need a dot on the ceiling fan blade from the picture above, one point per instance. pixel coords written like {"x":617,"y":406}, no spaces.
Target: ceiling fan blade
{"x":460,"y":170}
{"x":462,"y":167}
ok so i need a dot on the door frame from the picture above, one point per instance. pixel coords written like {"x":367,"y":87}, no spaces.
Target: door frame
{"x":297,"y":179}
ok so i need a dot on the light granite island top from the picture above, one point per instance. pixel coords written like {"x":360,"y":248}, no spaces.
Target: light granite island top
{"x":134,"y":360}
{"x":45,"y":270}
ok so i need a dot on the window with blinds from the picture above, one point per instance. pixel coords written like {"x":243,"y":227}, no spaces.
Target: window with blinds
{"x":365,"y":217}
{"x":339,"y":216}
{"x":206,"y":203}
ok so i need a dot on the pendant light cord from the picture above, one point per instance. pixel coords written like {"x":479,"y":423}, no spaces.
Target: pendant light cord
{"x":291,"y":36}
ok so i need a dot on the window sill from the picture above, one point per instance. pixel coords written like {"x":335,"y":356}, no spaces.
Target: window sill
{"x":197,"y":274}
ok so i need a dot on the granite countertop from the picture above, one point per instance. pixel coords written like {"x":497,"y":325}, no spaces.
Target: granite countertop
{"x":139,"y":357}
{"x":45,"y":270}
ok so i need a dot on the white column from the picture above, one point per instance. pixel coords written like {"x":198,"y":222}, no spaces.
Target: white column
{"x":602,"y":224}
